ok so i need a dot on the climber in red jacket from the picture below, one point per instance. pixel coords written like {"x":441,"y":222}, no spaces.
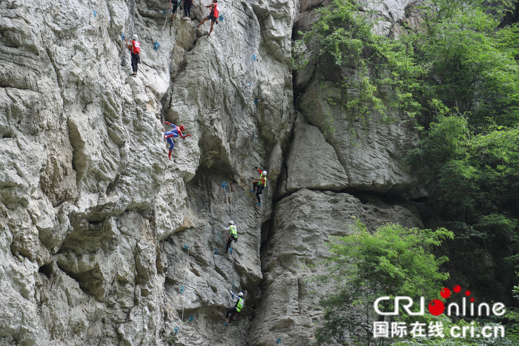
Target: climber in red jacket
{"x":213,"y":16}
{"x":135,"y":49}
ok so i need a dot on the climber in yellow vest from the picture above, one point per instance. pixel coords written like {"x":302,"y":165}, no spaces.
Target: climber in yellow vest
{"x":259,"y":184}
{"x":213,"y":16}
{"x":237,"y":308}
{"x":233,"y":234}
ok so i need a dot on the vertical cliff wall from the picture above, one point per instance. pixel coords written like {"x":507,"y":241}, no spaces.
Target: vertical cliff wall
{"x":103,"y":240}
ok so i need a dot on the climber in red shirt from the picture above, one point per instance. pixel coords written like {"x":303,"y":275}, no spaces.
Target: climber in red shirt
{"x":213,"y":16}
{"x":135,"y":49}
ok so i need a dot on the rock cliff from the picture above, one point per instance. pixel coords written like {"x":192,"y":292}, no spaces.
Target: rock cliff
{"x":105,"y":241}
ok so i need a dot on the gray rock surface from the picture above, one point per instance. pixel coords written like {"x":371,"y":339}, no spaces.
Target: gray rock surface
{"x":302,"y":223}
{"x":105,"y":241}
{"x":312,"y":162}
{"x":371,"y":147}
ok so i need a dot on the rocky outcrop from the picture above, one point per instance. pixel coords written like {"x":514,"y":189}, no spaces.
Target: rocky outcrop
{"x":302,"y":225}
{"x":103,"y":240}
{"x":370,"y":146}
{"x":312,"y":162}
{"x":90,"y":205}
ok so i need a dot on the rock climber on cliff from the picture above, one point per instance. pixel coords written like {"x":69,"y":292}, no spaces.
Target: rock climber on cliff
{"x":233,"y":234}
{"x":187,"y":8}
{"x":213,"y":16}
{"x":259,"y":184}
{"x":177,"y":131}
{"x":135,"y":49}
{"x":236,"y":309}
{"x":175,"y":4}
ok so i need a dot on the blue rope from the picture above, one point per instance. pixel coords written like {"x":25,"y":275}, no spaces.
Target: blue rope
{"x":156,"y":45}
{"x":181,"y":289}
{"x":176,"y":330}
{"x":216,"y":251}
{"x":254,"y":57}
{"x":253,"y":135}
{"x":186,"y":247}
{"x":256,"y":101}
{"x":221,"y":18}
{"x":122,"y":36}
{"x":224,"y":185}
{"x":230,"y":250}
{"x":95,"y":13}
{"x":191,"y":318}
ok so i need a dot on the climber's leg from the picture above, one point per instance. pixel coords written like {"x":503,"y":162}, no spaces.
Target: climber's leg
{"x":202,"y":22}
{"x":171,"y":146}
{"x":229,"y":241}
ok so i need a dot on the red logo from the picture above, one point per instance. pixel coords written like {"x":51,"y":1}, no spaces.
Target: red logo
{"x":436,"y":307}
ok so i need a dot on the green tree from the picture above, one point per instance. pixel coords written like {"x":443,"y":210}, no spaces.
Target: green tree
{"x":364,"y":266}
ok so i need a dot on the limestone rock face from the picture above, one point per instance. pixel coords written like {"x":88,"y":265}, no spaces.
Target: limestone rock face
{"x":103,"y":240}
{"x":312,"y":162}
{"x":302,"y":223}
{"x":94,"y":216}
{"x":371,"y":146}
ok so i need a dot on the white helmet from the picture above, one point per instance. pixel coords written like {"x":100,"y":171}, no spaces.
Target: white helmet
{"x":264,"y":172}
{"x":231,"y":222}
{"x":135,"y":37}
{"x":240,"y":294}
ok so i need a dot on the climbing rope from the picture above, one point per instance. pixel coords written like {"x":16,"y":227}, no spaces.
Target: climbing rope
{"x":184,"y":281}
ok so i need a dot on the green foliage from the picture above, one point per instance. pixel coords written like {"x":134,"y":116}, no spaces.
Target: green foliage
{"x":455,"y":70}
{"x":394,"y":260}
{"x":344,"y":36}
{"x":472,"y":181}
{"x":456,"y":57}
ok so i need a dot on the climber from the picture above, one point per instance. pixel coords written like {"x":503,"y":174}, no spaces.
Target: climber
{"x":259,"y":184}
{"x":177,"y":130}
{"x":233,"y":234}
{"x":175,"y":4}
{"x":237,"y":308}
{"x":213,"y":16}
{"x":187,"y":8}
{"x":135,"y":49}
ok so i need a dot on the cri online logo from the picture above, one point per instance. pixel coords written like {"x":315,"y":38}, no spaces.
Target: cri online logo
{"x":436,"y":307}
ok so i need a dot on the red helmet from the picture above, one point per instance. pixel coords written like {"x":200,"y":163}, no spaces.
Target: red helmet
{"x":181,"y":127}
